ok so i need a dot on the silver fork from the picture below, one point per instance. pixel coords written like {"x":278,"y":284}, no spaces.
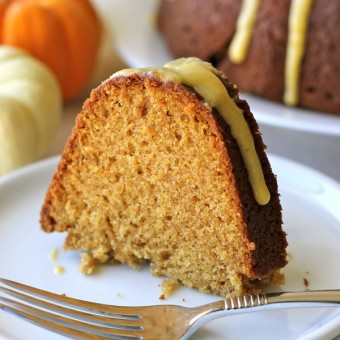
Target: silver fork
{"x":87,"y":320}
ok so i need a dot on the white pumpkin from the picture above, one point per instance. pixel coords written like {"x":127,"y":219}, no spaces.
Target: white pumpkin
{"x":30,"y":108}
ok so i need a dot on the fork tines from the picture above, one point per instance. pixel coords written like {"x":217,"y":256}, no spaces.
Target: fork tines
{"x":68,"y":316}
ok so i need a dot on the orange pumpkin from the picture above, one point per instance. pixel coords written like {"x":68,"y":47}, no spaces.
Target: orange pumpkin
{"x":64,"y":34}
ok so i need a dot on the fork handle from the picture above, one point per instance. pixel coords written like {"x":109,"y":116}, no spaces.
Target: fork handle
{"x":270,"y":301}
{"x":312,"y":298}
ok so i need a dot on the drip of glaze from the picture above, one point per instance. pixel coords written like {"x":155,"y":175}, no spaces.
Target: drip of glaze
{"x":299,"y":14}
{"x":297,"y":35}
{"x":239,"y":46}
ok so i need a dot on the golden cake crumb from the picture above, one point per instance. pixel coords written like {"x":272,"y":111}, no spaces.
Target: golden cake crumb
{"x":87,"y":263}
{"x":168,"y":287}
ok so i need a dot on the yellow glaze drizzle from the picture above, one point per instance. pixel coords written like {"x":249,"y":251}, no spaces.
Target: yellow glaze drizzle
{"x":297,"y":35}
{"x":58,"y":270}
{"x":54,"y":255}
{"x":203,"y":77}
{"x":239,"y":46}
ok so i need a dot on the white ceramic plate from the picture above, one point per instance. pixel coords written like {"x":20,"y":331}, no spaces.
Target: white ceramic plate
{"x":140,"y":45}
{"x":312,"y":220}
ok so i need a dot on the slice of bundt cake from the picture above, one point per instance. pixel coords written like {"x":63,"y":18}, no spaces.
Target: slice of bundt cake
{"x":166,"y":165}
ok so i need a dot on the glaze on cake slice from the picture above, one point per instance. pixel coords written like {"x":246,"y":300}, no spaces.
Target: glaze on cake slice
{"x":160,"y":170}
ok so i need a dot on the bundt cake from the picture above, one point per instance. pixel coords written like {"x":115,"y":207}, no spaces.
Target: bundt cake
{"x":167,"y":166}
{"x":286,"y":51}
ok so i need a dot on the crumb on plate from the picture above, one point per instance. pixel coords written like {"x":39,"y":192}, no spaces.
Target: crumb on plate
{"x":168,"y":287}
